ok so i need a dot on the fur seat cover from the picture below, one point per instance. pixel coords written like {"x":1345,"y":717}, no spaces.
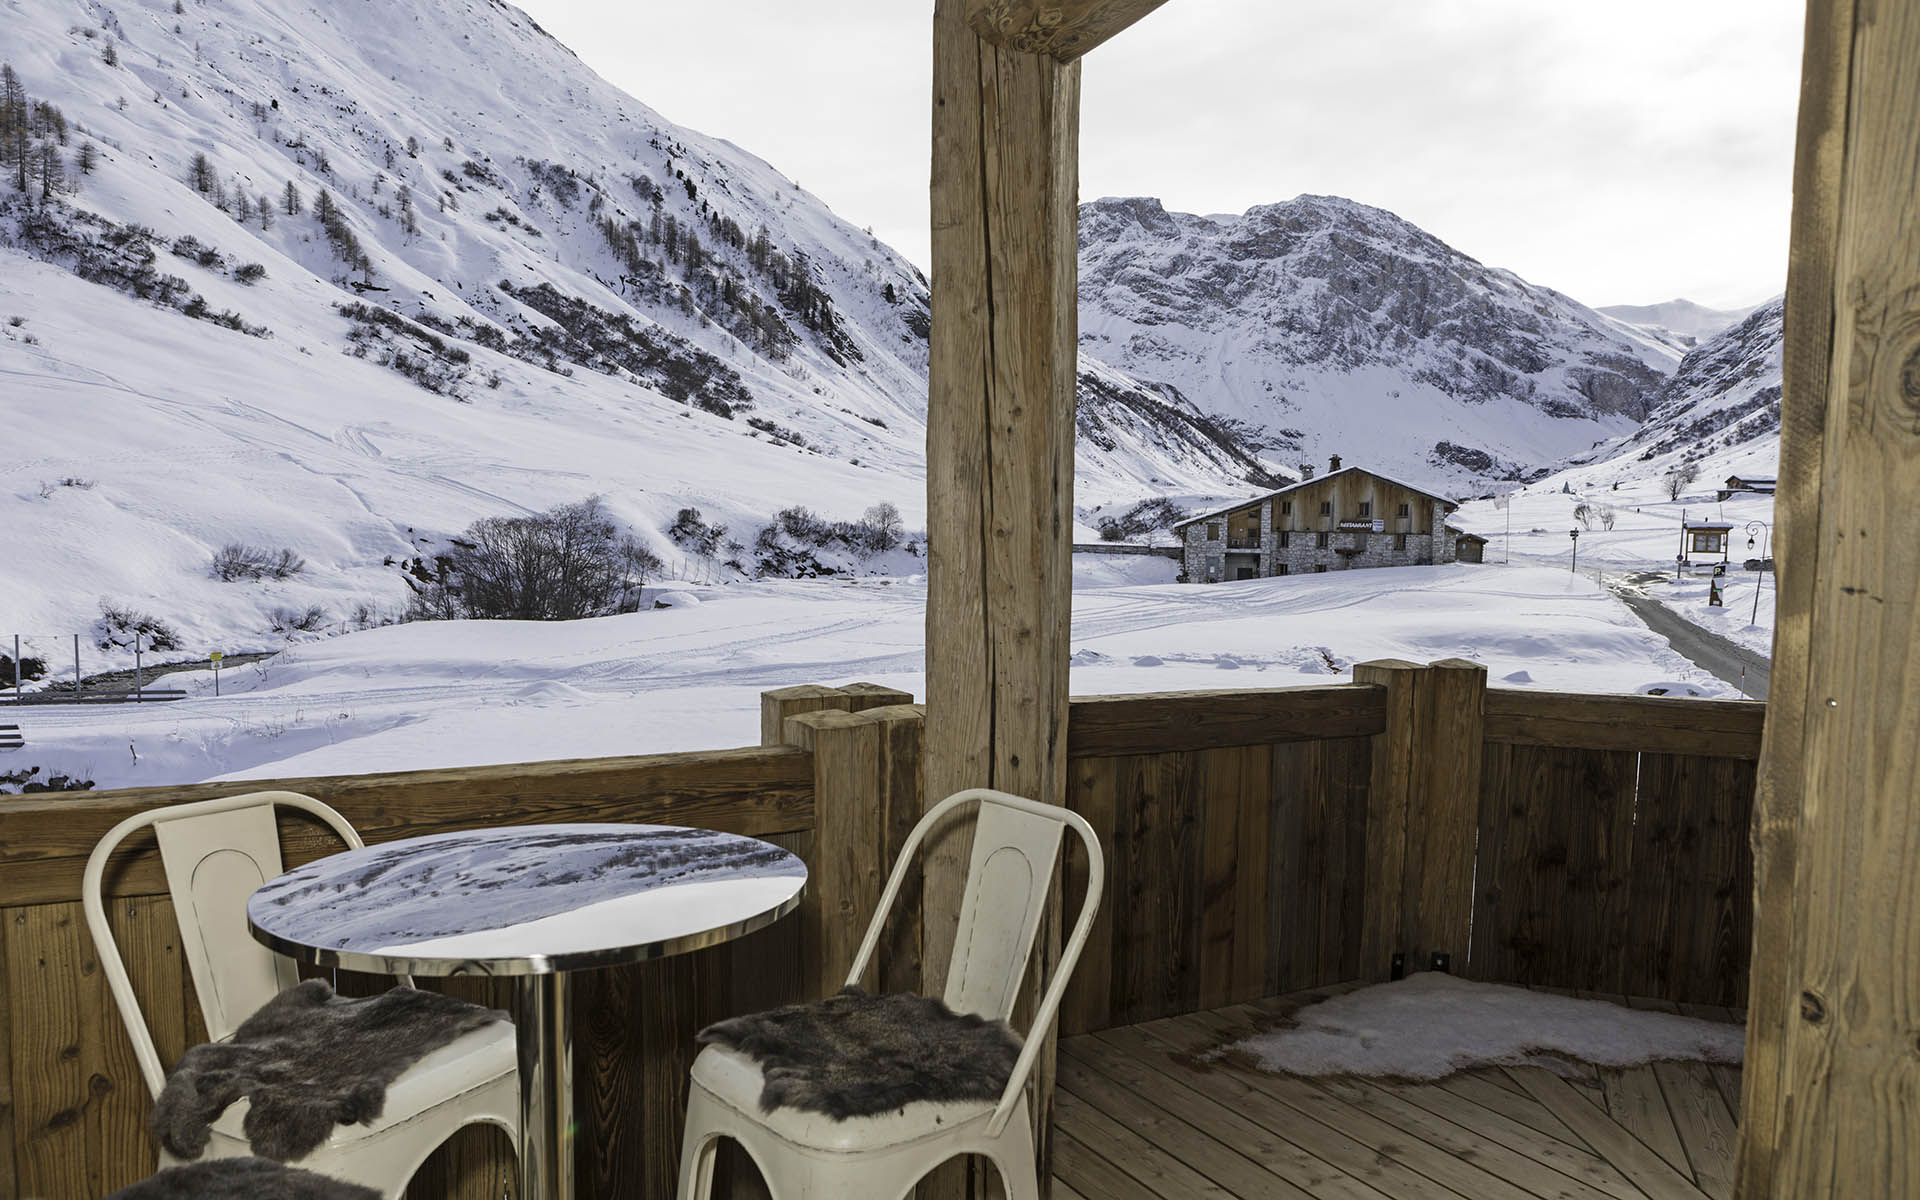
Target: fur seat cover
{"x":242,"y":1179}
{"x":307,"y":1061}
{"x":858,"y":1055}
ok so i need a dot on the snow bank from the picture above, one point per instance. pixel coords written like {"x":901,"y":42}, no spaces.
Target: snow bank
{"x":1431,"y":1025}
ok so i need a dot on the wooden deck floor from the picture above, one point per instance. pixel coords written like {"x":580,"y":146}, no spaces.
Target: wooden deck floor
{"x":1139,"y":1119}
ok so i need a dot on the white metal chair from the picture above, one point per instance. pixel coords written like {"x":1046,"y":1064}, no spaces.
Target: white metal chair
{"x":216,"y":852}
{"x":810,"y":1156}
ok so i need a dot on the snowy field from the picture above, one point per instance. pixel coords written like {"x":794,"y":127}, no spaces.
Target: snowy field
{"x":1645,"y":536}
{"x":686,"y":678}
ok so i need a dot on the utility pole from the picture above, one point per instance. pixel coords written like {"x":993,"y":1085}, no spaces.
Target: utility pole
{"x":76,"y":666}
{"x":1575,"y":535}
{"x":138,"y":693}
{"x":16,"y":668}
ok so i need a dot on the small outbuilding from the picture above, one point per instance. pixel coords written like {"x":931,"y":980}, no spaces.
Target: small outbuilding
{"x":1705,"y":541}
{"x":1468,"y":547}
{"x":1761,"y":485}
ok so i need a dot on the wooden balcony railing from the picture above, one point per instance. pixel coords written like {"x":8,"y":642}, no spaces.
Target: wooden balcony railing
{"x":1258,"y":842}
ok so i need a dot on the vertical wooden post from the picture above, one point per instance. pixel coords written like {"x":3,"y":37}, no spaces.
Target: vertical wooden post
{"x":866,"y":770}
{"x":1000,"y":416}
{"x":777,"y":708}
{"x":1422,"y":813}
{"x":1833,"y":1074}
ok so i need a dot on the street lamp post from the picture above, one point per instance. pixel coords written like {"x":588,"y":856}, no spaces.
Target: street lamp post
{"x":1758,"y":529}
{"x":1575,"y":535}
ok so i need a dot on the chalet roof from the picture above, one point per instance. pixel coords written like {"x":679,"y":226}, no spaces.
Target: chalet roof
{"x":1740,"y":479}
{"x":1294,"y":487}
{"x":1464,"y":536}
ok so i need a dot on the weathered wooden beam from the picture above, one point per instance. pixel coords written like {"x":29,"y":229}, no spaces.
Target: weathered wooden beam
{"x":1833,"y":1086}
{"x":1652,"y":724}
{"x":1061,"y":29}
{"x":1813,"y":245}
{"x":1163,"y":722}
{"x":1000,"y":413}
{"x":44,"y":843}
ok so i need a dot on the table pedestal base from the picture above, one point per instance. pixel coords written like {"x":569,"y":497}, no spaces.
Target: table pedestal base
{"x":544,"y":1031}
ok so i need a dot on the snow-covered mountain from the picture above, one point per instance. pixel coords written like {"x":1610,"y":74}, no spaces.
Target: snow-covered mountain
{"x":1725,"y":396}
{"x":1332,"y":327}
{"x":344,"y":276}
{"x":1682,"y":321}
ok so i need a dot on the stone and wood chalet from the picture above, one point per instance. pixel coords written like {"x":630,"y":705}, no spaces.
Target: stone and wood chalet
{"x":1345,"y":519}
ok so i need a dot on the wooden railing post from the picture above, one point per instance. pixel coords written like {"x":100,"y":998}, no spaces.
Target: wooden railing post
{"x":1832,"y":1086}
{"x":866,"y":799}
{"x":848,"y":775}
{"x":1422,"y":811}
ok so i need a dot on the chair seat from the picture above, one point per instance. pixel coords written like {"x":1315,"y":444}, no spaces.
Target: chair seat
{"x":736,"y":1080}
{"x":471,"y":1061}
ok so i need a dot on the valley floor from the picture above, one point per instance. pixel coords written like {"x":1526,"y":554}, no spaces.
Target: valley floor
{"x":445,"y":694}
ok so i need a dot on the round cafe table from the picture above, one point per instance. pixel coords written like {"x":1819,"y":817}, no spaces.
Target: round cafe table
{"x":531,"y":902}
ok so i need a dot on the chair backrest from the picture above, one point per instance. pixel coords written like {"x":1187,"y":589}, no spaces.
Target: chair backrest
{"x":1016,"y":846}
{"x":215,"y":853}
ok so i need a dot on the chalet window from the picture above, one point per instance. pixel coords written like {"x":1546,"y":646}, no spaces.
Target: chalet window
{"x":1326,"y":508}
{"x":1405,"y":511}
{"x":1400,"y":540}
{"x":1285,"y":539}
{"x":1280,"y":569}
{"x":1286,"y":508}
{"x":1320,"y":541}
{"x":1213,"y":531}
{"x":1320,"y":569}
{"x":1366,"y":508}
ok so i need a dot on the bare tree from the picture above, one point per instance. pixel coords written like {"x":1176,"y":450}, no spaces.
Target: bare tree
{"x":1678,"y":477}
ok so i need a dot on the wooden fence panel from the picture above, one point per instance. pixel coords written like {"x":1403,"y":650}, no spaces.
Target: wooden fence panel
{"x":1691,"y":900}
{"x":1233,"y":872}
{"x":1554,"y":853}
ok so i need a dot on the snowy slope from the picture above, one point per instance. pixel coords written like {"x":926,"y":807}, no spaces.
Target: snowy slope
{"x":565,"y":295}
{"x":1339,"y":328}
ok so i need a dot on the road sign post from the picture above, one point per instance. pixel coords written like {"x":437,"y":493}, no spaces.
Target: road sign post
{"x":215,"y":658}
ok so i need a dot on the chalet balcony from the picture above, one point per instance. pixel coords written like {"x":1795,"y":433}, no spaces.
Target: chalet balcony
{"x":1264,"y":848}
{"x":1244,"y":543}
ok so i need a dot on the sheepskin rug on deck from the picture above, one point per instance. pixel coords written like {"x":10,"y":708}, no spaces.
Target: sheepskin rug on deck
{"x":1430,"y":1025}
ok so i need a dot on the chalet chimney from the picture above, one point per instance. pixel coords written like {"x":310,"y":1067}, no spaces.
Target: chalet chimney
{"x":1306,"y":470}
{"x":1333,"y":463}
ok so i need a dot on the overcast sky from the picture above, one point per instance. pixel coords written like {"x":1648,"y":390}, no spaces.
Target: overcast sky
{"x":1623,"y":153}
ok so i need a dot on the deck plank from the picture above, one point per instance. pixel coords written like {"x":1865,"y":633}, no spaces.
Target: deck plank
{"x":1471,"y":1145}
{"x":1648,"y":1171}
{"x":1148,"y":1113}
{"x":1439,"y":1165}
{"x":1091,"y":1173}
{"x":1494,"y":1091}
{"x":1159,"y":1172}
{"x":1155,"y":1122}
{"x":1575,"y":1161}
{"x":1726,"y":1078}
{"x":1167,"y":1084}
{"x":1350,"y":1155}
{"x":1707,"y":1130}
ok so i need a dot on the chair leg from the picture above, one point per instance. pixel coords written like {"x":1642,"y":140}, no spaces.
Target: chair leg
{"x":699,"y":1148}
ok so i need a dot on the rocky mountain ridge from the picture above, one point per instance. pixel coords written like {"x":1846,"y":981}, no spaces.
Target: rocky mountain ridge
{"x":1334,"y":327}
